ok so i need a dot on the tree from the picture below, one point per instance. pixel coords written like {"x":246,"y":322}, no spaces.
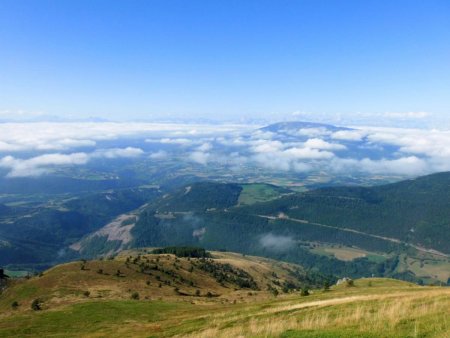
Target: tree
{"x":36,"y":305}
{"x":349,"y":283}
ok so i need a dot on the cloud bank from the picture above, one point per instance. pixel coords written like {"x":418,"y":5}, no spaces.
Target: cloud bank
{"x":32,"y":149}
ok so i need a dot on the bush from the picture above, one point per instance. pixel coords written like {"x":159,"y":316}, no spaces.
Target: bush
{"x":304,"y":292}
{"x":36,"y":305}
{"x":86,"y":293}
{"x":15,"y":305}
{"x":135,"y":296}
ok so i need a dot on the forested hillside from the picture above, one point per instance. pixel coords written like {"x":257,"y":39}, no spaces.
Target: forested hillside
{"x":415,"y":211}
{"x":41,"y":235}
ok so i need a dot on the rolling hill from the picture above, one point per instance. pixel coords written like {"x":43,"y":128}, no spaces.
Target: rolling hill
{"x":176,"y":273}
{"x":140,"y":294}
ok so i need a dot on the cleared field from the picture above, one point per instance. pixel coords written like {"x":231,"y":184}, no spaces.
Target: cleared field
{"x":427,"y":268}
{"x":259,"y":192}
{"x":345,"y":253}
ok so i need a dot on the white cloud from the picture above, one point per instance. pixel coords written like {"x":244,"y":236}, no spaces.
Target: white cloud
{"x":312,"y":132}
{"x":307,"y":153}
{"x":158,"y":155}
{"x":348,"y":135}
{"x":43,"y":164}
{"x":205,"y":147}
{"x":119,"y":152}
{"x":181,"y":141}
{"x":317,"y":143}
{"x":39,"y":165}
{"x":406,"y":115}
{"x":415,"y":151}
{"x":199,"y":157}
{"x":54,"y":136}
{"x":276,"y":242}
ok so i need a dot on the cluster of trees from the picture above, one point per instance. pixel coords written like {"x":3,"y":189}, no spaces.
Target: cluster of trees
{"x":225,"y":273}
{"x":183,"y":251}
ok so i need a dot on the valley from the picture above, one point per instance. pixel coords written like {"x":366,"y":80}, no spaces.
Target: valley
{"x":212,"y":214}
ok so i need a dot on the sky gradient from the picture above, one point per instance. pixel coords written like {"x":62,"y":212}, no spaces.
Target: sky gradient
{"x":315,"y":60}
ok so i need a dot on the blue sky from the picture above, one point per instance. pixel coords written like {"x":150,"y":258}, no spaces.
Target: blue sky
{"x":225,"y":59}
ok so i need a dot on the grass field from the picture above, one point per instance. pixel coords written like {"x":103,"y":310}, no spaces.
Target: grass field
{"x":345,"y":253}
{"x":259,"y":192}
{"x":372,"y":308}
{"x":427,"y":267}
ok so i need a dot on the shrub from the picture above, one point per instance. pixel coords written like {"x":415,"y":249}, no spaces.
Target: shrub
{"x":135,"y":296}
{"x":86,"y":293}
{"x":15,"y":304}
{"x":36,"y":305}
{"x":304,"y":292}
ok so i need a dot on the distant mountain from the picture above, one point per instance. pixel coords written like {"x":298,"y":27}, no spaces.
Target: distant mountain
{"x":352,"y":144}
{"x":297,"y":125}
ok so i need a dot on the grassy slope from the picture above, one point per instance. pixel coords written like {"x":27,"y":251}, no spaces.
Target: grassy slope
{"x":373,"y":308}
{"x":66,"y":284}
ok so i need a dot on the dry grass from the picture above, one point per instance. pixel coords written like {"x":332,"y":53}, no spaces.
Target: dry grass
{"x":426,"y":310}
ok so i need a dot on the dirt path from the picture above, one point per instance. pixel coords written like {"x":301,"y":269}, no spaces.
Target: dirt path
{"x":351,"y":299}
{"x":393,"y":240}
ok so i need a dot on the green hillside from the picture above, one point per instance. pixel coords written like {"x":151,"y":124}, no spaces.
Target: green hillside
{"x":40,"y":235}
{"x":141,"y":294}
{"x":415,"y":211}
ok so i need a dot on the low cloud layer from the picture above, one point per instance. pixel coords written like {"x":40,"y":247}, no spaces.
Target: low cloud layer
{"x":42,"y":164}
{"x":31,"y":149}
